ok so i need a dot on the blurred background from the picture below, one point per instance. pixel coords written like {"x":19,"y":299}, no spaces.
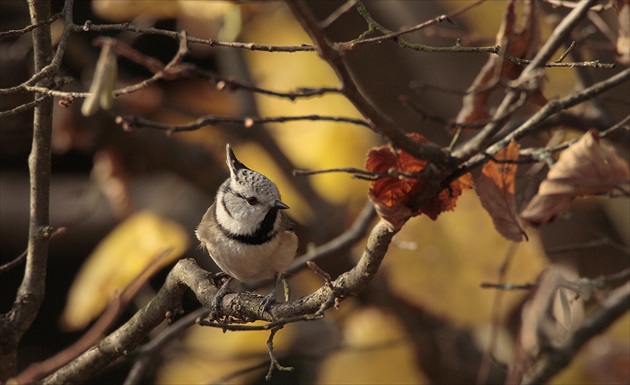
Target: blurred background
{"x":124,"y":197}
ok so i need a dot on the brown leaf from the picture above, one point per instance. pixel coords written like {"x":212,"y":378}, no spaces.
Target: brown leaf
{"x":585,"y":168}
{"x":517,"y":39}
{"x":495,"y":187}
{"x":391,"y":195}
{"x":623,"y":38}
{"x":446,"y":200}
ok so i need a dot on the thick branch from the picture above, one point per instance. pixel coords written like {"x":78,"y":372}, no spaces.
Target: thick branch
{"x":245,"y":306}
{"x":30,"y":294}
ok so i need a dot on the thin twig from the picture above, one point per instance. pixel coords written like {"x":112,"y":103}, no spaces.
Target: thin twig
{"x":506,"y":286}
{"x":496,"y":50}
{"x":391,"y":35}
{"x":590,"y":63}
{"x":274,"y":365}
{"x":345,"y":7}
{"x":23,"y":107}
{"x":572,"y":4}
{"x":15,"y":262}
{"x":566,"y":52}
{"x":356,"y":172}
{"x":191,"y":39}
{"x":22,"y":257}
{"x":133,"y":122}
{"x":17,"y":32}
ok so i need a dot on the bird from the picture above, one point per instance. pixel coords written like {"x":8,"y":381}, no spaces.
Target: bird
{"x":245,"y":231}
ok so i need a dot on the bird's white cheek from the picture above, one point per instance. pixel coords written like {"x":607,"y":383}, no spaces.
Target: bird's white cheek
{"x":239,"y":220}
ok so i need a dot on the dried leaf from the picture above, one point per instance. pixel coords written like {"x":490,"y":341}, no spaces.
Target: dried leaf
{"x":623,"y":38}
{"x":517,"y":39}
{"x":495,"y":187}
{"x":103,"y":83}
{"x":585,"y":168}
{"x":391,"y":195}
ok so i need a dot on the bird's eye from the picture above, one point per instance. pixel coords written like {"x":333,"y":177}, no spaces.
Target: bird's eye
{"x":252,"y":201}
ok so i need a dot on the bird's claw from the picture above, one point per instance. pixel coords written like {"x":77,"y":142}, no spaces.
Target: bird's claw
{"x":269,"y":300}
{"x":218,"y":297}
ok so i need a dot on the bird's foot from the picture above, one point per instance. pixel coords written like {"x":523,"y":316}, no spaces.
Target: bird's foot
{"x":269,"y":299}
{"x":218,"y":297}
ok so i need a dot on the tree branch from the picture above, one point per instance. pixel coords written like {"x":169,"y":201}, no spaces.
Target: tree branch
{"x":548,"y":110}
{"x":243,"y":306}
{"x":147,"y":353}
{"x":530,"y":73}
{"x":132,"y":122}
{"x":52,"y":66}
{"x":378,"y":120}
{"x":31,"y":292}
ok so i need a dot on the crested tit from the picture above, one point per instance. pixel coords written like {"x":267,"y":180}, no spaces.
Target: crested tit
{"x":245,"y":232}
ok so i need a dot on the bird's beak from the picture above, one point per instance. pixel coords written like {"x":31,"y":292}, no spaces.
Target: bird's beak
{"x":280,"y":205}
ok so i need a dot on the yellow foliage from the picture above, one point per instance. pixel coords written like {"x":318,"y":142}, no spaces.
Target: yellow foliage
{"x":377,"y":350}
{"x":211,"y":354}
{"x":117,"y":260}
{"x":454,"y":255}
{"x":125,"y":10}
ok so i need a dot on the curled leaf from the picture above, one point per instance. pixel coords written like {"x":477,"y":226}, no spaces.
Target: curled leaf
{"x":103,"y":82}
{"x":391,"y":195}
{"x":495,"y":187}
{"x":585,"y":168}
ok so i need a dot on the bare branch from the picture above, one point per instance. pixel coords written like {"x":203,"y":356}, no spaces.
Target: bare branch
{"x":133,"y":122}
{"x":23,"y":107}
{"x":30,"y":294}
{"x":17,"y":32}
{"x":88,"y":26}
{"x":243,"y":306}
{"x":274,"y":365}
